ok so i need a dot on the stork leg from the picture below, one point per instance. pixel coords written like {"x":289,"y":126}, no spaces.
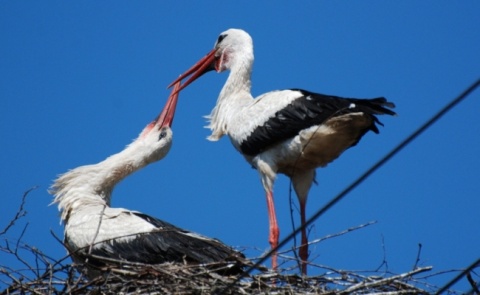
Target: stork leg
{"x":274,"y":230}
{"x":302,"y":182}
{"x":303,"y":250}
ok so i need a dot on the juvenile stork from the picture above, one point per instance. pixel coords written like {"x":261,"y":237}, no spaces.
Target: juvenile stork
{"x":94,"y":229}
{"x":287,"y":131}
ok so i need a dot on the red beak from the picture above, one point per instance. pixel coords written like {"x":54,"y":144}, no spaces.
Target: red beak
{"x":204,"y":65}
{"x":166,"y":116}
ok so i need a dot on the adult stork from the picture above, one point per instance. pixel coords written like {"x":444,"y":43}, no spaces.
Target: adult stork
{"x":288,"y":131}
{"x":94,"y":229}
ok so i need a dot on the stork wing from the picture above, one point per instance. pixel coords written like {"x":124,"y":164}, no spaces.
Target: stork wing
{"x":310,"y":109}
{"x":166,"y":243}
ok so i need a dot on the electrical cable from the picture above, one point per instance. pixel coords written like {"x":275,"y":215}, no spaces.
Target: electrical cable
{"x":458,"y":277}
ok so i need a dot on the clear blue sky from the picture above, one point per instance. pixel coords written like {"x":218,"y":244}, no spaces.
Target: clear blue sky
{"x":79,"y":81}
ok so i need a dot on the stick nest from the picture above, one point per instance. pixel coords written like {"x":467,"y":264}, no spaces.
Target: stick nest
{"x":42,"y":274}
{"x":174,"y":278}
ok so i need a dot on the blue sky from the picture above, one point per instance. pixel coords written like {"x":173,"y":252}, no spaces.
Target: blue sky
{"x":80,"y":80}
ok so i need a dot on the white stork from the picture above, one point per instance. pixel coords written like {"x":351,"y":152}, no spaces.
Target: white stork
{"x":93,"y":228}
{"x":288,"y":131}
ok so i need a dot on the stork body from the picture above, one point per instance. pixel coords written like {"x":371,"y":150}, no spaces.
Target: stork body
{"x":94,"y":229}
{"x":286,"y":131}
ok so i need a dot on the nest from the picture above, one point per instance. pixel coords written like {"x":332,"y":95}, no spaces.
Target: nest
{"x":42,"y":274}
{"x":176,"y":278}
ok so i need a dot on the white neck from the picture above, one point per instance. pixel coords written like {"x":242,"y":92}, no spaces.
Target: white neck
{"x":92,"y":185}
{"x":235,"y":94}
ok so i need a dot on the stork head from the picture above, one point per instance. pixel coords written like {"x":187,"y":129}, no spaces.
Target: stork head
{"x":233,"y":48}
{"x":93,"y":184}
{"x":156,"y":137}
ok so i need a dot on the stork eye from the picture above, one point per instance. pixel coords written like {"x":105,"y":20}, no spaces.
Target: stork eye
{"x":163,"y":134}
{"x":221,"y":37}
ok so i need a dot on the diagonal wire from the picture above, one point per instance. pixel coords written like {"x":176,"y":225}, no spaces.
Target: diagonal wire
{"x":364,"y":176}
{"x":458,"y":277}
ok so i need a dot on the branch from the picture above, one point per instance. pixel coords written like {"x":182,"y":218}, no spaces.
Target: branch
{"x":363,"y":285}
{"x":333,"y":235}
{"x":384,"y":261}
{"x":20,"y":212}
{"x":418,"y":256}
{"x":472,"y":283}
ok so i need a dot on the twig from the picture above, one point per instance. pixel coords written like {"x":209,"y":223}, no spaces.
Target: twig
{"x":319,"y":240}
{"x":354,"y":228}
{"x":399,"y":292}
{"x":472,"y":283}
{"x":363,"y":285}
{"x":292,"y":221}
{"x":20,"y":212}
{"x":98,"y":229}
{"x":384,"y":261}
{"x":415,"y":265}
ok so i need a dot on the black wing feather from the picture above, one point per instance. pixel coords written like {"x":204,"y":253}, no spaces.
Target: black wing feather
{"x":308,"y":110}
{"x":166,"y":244}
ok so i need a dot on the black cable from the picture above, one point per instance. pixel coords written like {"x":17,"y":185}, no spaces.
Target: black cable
{"x":364,"y":176}
{"x":458,"y":277}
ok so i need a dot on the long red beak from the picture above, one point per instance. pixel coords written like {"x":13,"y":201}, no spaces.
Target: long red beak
{"x":206,"y":64}
{"x":166,"y":116}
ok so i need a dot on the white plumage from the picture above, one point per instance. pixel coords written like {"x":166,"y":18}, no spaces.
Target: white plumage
{"x":286,"y":131}
{"x":92,"y":227}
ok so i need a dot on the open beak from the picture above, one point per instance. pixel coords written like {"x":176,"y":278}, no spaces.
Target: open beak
{"x":204,"y":65}
{"x":166,"y":116}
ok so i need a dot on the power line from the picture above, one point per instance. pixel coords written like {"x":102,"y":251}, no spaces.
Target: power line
{"x":365,"y":175}
{"x":458,"y":277}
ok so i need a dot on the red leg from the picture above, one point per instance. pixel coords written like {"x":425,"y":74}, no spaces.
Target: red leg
{"x":303,"y":250}
{"x":274,"y":230}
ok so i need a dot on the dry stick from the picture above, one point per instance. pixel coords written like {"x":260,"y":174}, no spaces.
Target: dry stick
{"x":418,"y":256}
{"x":97,"y":231}
{"x":90,"y":248}
{"x":20,"y":212}
{"x":63,"y":244}
{"x":71,"y":278}
{"x":473,"y":283}
{"x":350,"y":229}
{"x":384,"y":261}
{"x":399,"y":285}
{"x":17,"y":246}
{"x":365,"y":175}
{"x":50,"y":272}
{"x":330,"y":236}
{"x":319,"y":240}
{"x":363,"y":285}
{"x":292,"y":221}
{"x":399,"y":292}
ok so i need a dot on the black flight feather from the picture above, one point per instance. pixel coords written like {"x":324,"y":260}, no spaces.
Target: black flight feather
{"x":167,"y":243}
{"x":308,"y":110}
